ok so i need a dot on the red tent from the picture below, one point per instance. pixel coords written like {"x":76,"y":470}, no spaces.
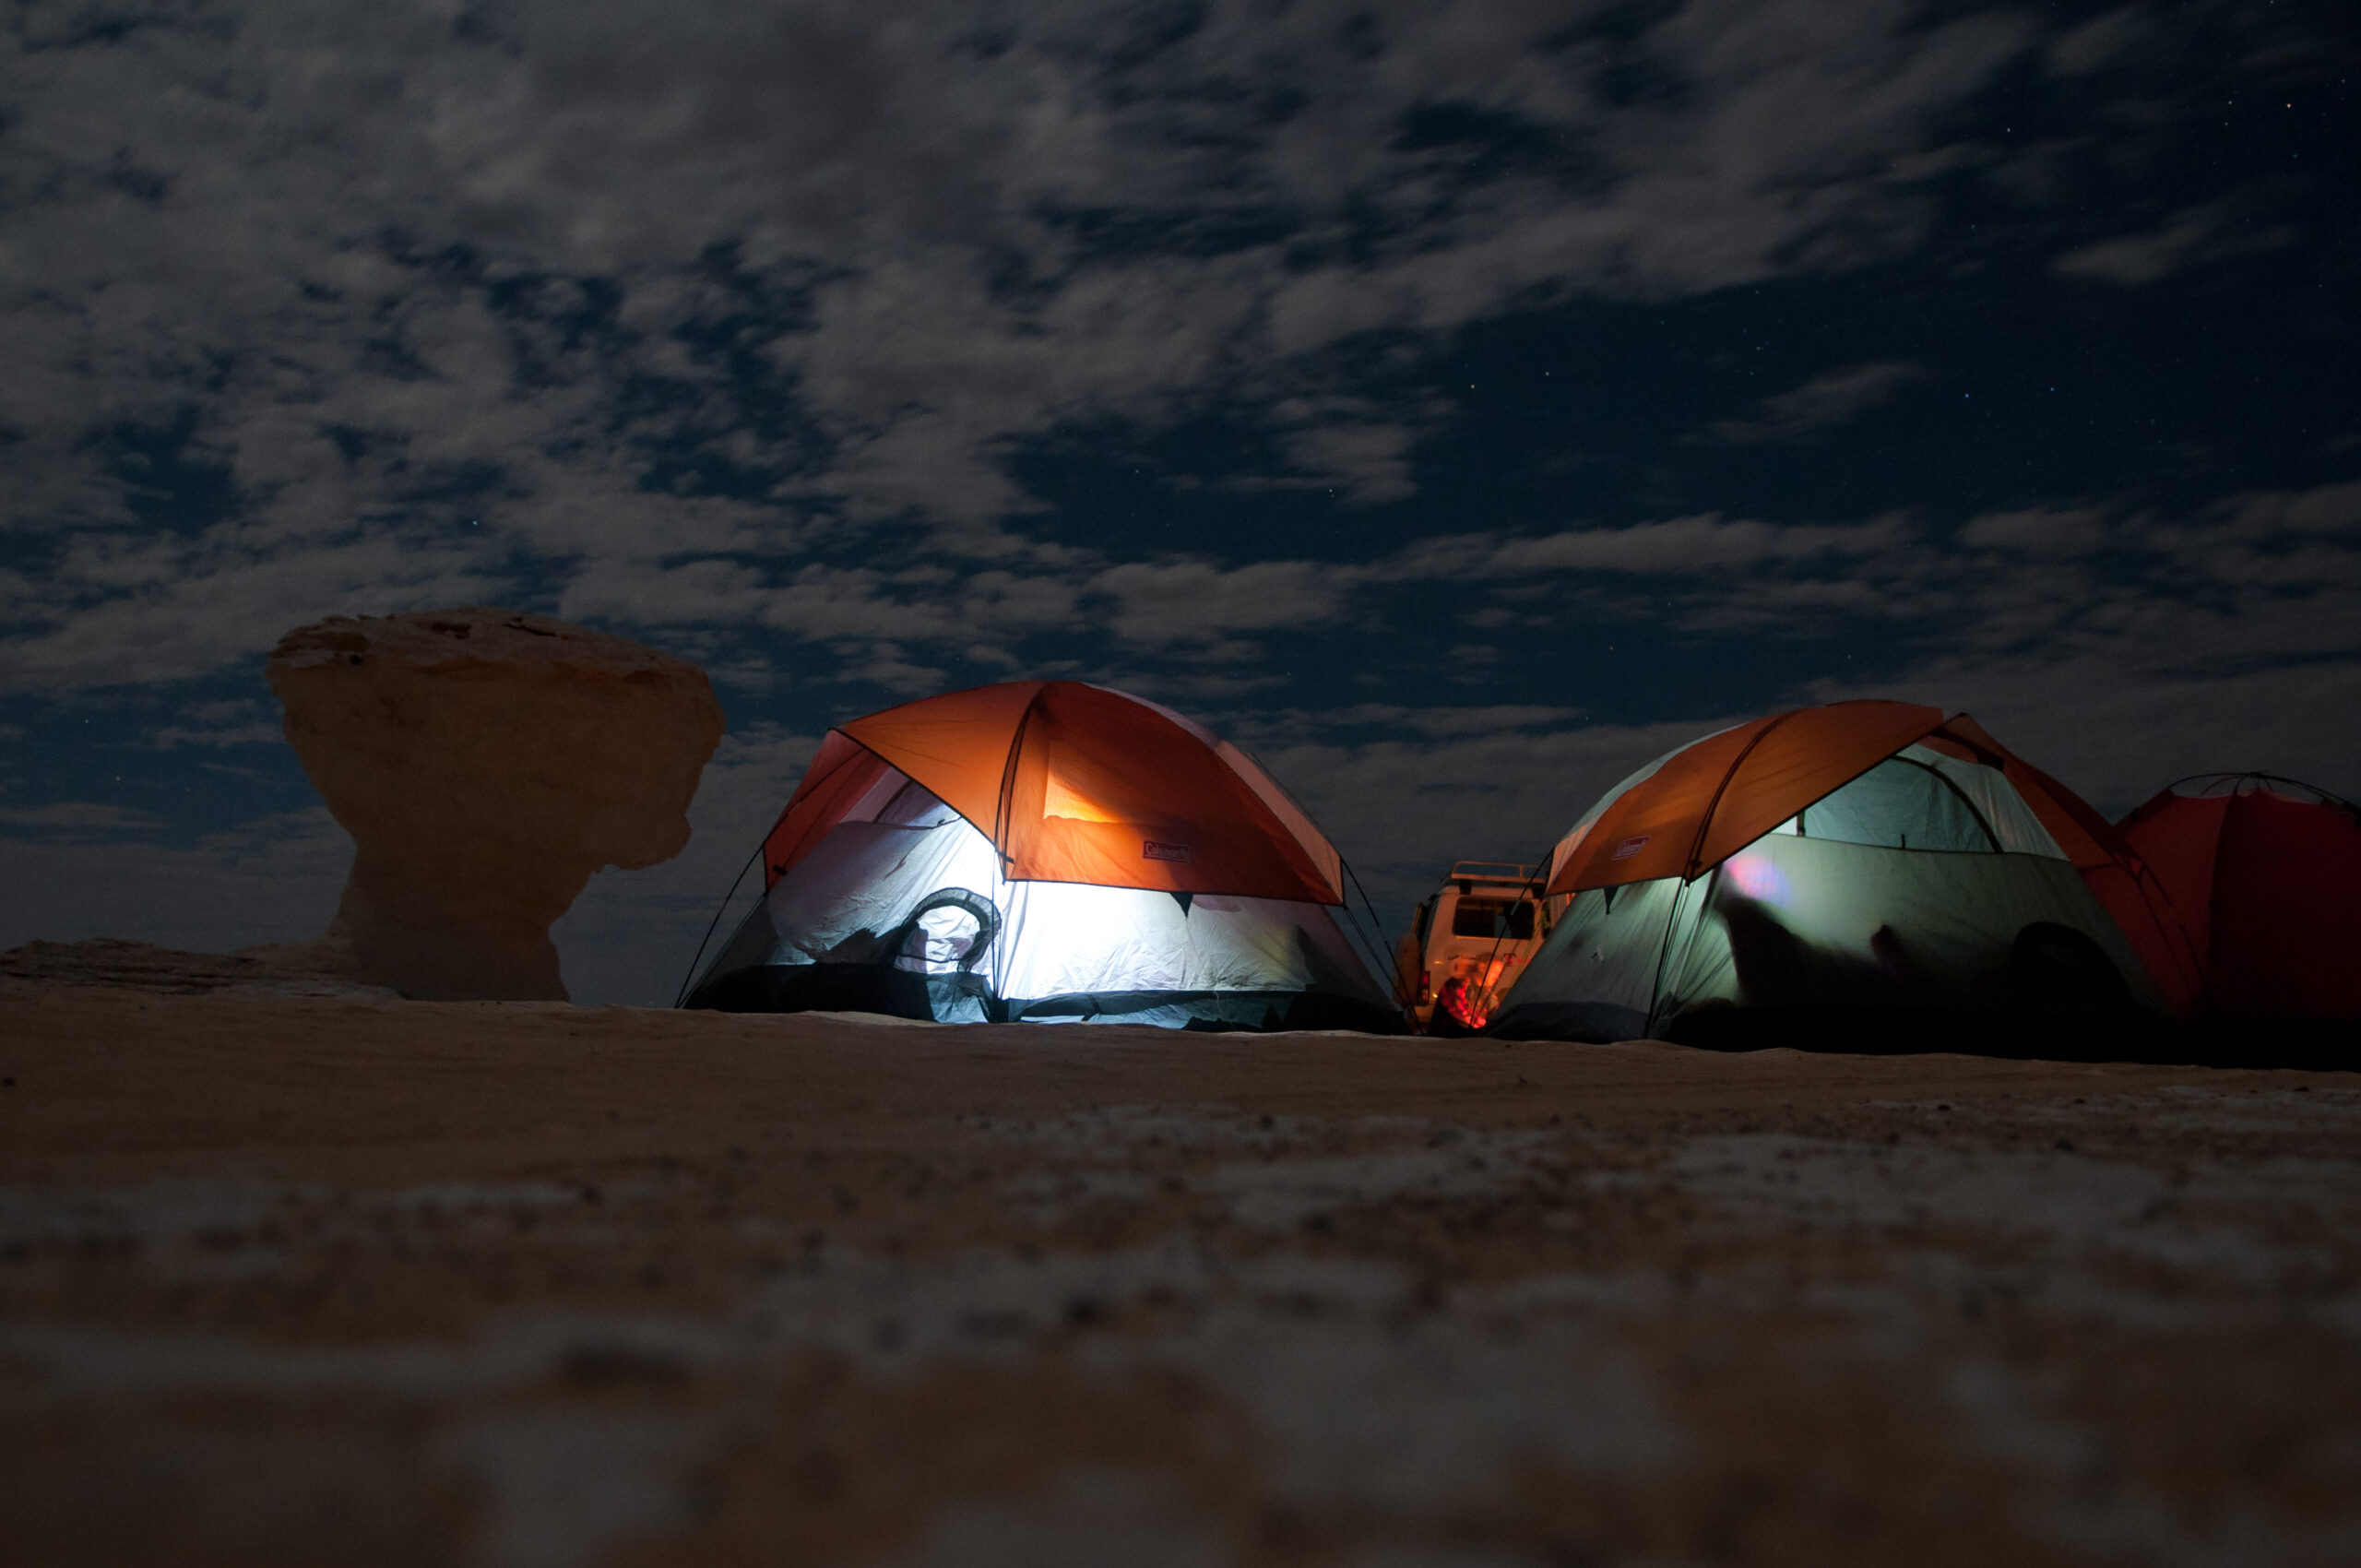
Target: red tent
{"x":2266,"y":875}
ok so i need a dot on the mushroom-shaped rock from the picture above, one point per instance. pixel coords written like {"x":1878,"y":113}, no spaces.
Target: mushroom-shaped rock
{"x":487,"y":764}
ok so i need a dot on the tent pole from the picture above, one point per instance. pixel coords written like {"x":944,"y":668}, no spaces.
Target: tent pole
{"x":1384,"y":967}
{"x":690,"y":979}
{"x":1531,"y":884}
{"x":1664,"y":951}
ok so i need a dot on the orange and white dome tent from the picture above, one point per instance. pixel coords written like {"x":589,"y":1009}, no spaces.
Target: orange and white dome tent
{"x":1046,"y":851}
{"x":1832,"y":862}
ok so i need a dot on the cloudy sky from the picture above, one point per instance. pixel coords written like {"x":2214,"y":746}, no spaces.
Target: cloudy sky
{"x":1454,"y":403}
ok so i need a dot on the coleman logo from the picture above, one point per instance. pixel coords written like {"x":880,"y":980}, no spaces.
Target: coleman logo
{"x":1152,"y":851}
{"x":1629,"y":848}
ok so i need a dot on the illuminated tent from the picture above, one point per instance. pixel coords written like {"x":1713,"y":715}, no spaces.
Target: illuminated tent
{"x":2266,"y":875}
{"x":1046,"y":851}
{"x":1834,"y":865}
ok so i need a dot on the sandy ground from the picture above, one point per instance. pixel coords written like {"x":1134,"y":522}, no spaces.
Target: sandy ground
{"x":322,"y":1279}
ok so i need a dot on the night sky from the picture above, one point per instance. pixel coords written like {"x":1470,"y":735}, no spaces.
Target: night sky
{"x":1454,"y":404}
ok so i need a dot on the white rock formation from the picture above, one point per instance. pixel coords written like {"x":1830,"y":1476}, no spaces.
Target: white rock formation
{"x":487,"y":764}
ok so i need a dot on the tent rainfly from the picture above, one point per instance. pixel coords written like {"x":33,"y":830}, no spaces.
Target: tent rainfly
{"x":1046,"y":851}
{"x":1835,"y":861}
{"x":2266,"y":875}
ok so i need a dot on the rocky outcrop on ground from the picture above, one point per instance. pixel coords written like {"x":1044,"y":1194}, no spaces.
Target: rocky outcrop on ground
{"x":290,"y":969}
{"x":487,"y":764}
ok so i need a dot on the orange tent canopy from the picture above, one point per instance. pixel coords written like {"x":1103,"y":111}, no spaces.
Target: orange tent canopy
{"x":1715,"y":797}
{"x":1075,"y":783}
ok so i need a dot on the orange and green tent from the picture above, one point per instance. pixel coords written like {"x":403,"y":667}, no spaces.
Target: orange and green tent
{"x":1857,"y":855}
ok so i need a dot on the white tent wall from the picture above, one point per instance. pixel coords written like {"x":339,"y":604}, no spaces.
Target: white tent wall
{"x":1899,"y":803}
{"x":1987,"y":788}
{"x":1812,"y":922}
{"x":1596,"y":975}
{"x":1808,"y":923}
{"x":1068,"y":939}
{"x":865,"y":878}
{"x":1919,"y":799}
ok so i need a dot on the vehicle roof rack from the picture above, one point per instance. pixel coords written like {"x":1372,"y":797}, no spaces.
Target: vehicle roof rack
{"x":1490,"y":871}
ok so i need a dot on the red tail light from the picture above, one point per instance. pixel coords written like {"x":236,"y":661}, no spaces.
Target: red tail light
{"x":1465,"y":1002}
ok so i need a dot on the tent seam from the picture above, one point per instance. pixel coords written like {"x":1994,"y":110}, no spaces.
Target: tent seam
{"x":1003,"y":805}
{"x":1705,"y":822}
{"x":1990,"y":836}
{"x":1893,"y":755}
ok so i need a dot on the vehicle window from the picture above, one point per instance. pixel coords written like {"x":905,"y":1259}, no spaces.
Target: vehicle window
{"x":1494,"y":919}
{"x":1426,"y":920}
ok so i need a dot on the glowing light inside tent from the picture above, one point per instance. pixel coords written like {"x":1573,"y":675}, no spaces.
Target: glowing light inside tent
{"x":1759,"y":879}
{"x":1060,"y":798}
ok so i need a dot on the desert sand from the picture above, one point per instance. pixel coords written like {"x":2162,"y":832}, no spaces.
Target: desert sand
{"x":340,"y":1278}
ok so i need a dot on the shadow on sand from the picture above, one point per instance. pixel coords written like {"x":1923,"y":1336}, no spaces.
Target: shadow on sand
{"x":2053,"y":995}
{"x":2313,"y":1044}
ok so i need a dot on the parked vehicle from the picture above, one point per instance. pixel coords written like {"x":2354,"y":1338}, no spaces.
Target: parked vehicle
{"x":1468,"y":943}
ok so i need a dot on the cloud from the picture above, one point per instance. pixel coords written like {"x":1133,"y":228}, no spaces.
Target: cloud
{"x":325,"y":287}
{"x":1366,"y":458}
{"x":2231,"y":639}
{"x":239,"y":721}
{"x":2273,"y":577}
{"x":2118,"y":726}
{"x":1429,"y":723}
{"x":2205,"y":234}
{"x":79,"y":816}
{"x":1184,"y":601}
{"x":2135,"y":259}
{"x":1445,"y":785}
{"x":1834,"y":397}
{"x":2099,"y":42}
{"x":740,"y":328}
{"x":886,"y":665}
{"x":797,"y":276}
{"x":1702,"y":543}
{"x":2327,"y":511}
{"x":2227,"y":638}
{"x":2038,"y":530}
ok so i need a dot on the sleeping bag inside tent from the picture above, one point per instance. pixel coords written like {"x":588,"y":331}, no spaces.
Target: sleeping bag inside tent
{"x":1048,"y":851}
{"x":2266,"y":874}
{"x":1862,"y":864}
